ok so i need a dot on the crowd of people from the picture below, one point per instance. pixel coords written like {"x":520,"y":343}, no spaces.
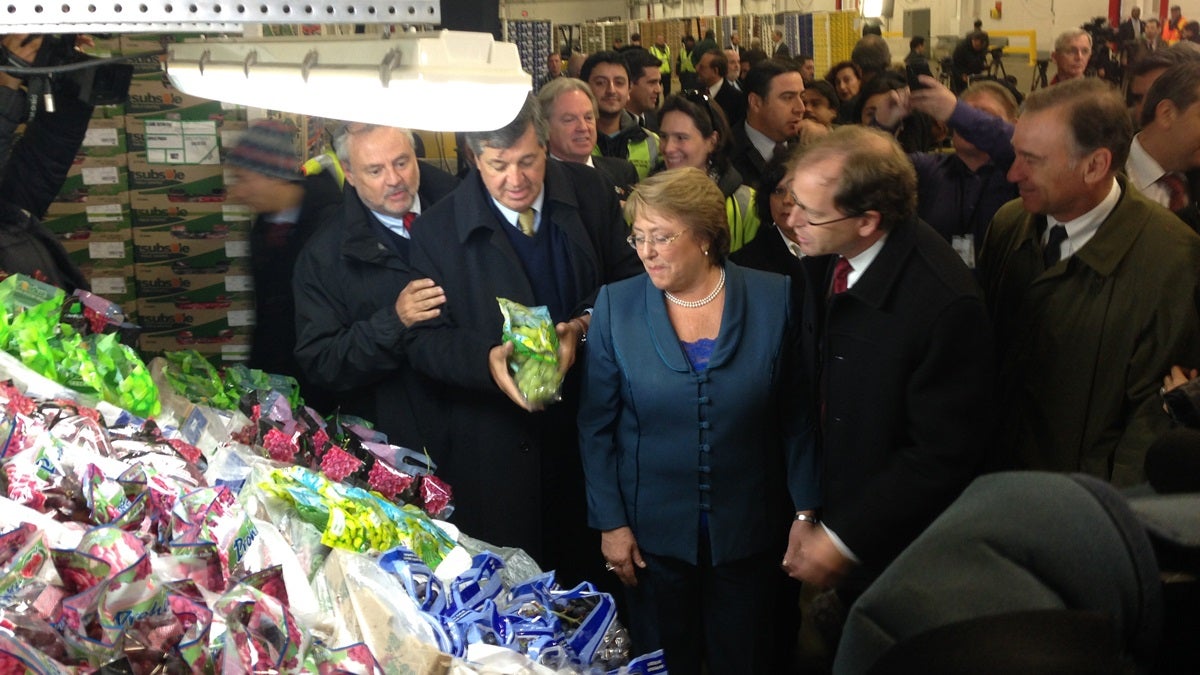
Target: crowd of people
{"x":791,"y":332}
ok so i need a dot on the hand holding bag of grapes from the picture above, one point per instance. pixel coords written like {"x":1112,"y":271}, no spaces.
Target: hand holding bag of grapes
{"x":534,"y":361}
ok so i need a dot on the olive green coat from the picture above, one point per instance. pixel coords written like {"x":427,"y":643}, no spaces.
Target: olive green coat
{"x":1084,"y":345}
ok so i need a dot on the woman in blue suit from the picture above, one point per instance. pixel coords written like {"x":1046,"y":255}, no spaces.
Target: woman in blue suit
{"x":696,"y":447}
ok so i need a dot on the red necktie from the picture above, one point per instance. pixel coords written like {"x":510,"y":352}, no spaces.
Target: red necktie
{"x":278,"y":233}
{"x":1176,"y":190}
{"x":408,"y":221}
{"x":841,"y":276}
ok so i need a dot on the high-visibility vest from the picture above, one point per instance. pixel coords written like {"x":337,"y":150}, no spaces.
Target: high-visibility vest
{"x":326,"y":161}
{"x":685,"y":63}
{"x":642,"y":153}
{"x":663,"y":55}
{"x":742,"y":219}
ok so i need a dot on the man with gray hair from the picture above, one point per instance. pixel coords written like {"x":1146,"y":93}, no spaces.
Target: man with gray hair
{"x":1072,"y":52}
{"x":540,"y":233}
{"x":569,"y":107}
{"x":356,"y":293}
{"x":1092,"y":288}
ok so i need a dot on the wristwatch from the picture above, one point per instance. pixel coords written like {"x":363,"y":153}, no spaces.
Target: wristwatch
{"x":812,"y":520}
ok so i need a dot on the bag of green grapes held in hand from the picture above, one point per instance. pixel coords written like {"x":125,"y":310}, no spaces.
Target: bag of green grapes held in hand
{"x":534,"y":361}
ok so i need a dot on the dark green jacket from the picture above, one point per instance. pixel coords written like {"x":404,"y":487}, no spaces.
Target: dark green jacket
{"x":1084,"y":345}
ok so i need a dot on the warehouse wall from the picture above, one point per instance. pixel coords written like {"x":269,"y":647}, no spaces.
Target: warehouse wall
{"x":949,"y":17}
{"x":566,"y":11}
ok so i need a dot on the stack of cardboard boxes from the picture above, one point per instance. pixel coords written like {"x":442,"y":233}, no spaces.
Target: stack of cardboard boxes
{"x":143,"y":213}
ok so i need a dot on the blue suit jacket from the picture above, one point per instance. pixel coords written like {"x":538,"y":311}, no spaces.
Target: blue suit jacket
{"x":659,"y":439}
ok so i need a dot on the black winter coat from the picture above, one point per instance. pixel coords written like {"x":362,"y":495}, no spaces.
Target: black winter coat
{"x":908,"y":365}
{"x":273,"y":262}
{"x":504,"y":462}
{"x":349,"y":339}
{"x":34,"y":168}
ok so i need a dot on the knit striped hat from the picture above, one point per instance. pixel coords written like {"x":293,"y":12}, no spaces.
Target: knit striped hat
{"x":268,"y":147}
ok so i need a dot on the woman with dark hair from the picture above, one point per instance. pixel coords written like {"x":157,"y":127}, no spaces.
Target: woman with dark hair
{"x":821,"y":103}
{"x":846,"y":78}
{"x":914,"y":132}
{"x":697,"y":453}
{"x":775,"y":249}
{"x":693,"y":132}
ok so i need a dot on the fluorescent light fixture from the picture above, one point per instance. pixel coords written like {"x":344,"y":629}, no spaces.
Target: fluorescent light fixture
{"x":436,"y":81}
{"x":872,"y":9}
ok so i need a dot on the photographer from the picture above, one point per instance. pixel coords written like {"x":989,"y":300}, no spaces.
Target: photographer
{"x":34,"y":167}
{"x":970,"y":58}
{"x":1103,"y":62}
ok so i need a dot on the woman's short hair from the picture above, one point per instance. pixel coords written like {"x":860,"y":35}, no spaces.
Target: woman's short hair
{"x":688,"y":195}
{"x":774,"y":172}
{"x":831,"y":76}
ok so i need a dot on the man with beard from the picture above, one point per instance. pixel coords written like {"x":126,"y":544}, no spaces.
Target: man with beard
{"x":618,"y":132}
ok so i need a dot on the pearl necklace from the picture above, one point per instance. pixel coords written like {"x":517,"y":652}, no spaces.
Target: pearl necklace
{"x":703,"y":301}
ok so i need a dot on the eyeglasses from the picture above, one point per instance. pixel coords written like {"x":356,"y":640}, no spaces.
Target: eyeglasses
{"x":702,"y":99}
{"x":803,"y":211}
{"x":656,"y":240}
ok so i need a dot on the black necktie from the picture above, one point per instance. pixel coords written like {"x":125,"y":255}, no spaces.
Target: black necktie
{"x":1051,"y":254}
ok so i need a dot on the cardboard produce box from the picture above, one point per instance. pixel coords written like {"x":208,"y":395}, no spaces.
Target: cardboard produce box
{"x":152,"y":98}
{"x":178,"y":183}
{"x":195,"y":292}
{"x":215,"y":255}
{"x":114,"y":282}
{"x":96,"y":177}
{"x":112,"y":248}
{"x":199,"y":220}
{"x":174,"y":141}
{"x":221,"y":351}
{"x":164,"y":317}
{"x":78,"y":220}
{"x":104,"y":138}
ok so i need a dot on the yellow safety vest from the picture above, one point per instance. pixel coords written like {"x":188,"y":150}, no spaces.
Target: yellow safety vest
{"x":663,"y":55}
{"x":743,"y":220}
{"x":643,"y":153}
{"x":685,"y":63}
{"x":326,"y":161}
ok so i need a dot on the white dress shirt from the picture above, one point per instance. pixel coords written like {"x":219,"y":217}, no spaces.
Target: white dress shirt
{"x":1081,"y":230}
{"x":1144,"y":172}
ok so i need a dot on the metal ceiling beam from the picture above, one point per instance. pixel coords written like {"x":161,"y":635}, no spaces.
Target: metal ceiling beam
{"x":126,"y":16}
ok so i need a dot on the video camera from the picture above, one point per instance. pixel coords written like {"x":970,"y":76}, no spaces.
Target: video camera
{"x":70,"y":73}
{"x":1101,"y":32}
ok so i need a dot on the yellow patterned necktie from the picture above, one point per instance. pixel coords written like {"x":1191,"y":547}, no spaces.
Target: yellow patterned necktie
{"x":525,"y":221}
